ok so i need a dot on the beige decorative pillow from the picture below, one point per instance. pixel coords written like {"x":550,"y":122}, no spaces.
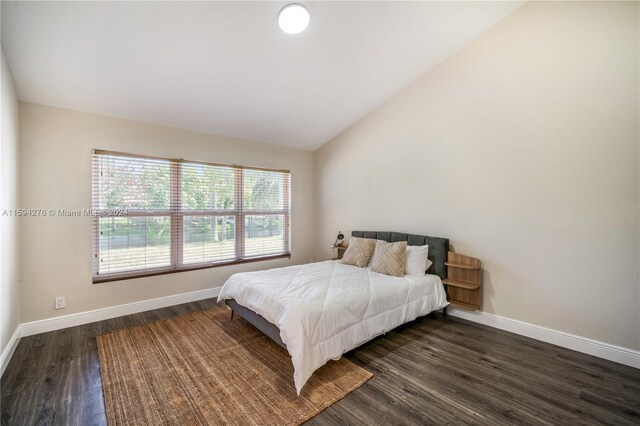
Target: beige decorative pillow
{"x":359,"y":252}
{"x":389,"y":258}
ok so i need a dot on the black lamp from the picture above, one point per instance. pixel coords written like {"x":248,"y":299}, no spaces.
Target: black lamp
{"x":339,"y":239}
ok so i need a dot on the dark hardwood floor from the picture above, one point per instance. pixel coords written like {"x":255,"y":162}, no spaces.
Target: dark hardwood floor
{"x":433,"y":371}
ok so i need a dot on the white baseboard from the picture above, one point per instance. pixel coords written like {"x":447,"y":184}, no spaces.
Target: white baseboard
{"x":10,"y":348}
{"x":614,"y":353}
{"x":71,"y":320}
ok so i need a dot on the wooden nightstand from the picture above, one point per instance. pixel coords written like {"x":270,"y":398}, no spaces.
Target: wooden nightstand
{"x":341,"y":249}
{"x":463,"y":281}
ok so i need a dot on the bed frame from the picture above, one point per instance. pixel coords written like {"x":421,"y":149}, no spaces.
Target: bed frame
{"x":438,"y":250}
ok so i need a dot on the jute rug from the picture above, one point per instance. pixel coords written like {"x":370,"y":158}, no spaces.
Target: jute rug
{"x":204,"y":369}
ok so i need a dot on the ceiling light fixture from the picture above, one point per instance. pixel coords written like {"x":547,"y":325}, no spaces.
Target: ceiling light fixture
{"x":293,"y":18}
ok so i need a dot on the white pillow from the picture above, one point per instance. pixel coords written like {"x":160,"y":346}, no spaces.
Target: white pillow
{"x":417,"y":261}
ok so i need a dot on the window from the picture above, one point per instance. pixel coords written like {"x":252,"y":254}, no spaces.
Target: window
{"x":155,"y":215}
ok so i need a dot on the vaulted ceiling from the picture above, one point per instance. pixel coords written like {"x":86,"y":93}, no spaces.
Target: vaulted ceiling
{"x":226,"y":68}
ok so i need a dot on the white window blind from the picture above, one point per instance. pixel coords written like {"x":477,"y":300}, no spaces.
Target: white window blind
{"x":166,"y":215}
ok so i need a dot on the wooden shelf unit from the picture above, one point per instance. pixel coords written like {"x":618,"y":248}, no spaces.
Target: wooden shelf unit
{"x":463,"y":281}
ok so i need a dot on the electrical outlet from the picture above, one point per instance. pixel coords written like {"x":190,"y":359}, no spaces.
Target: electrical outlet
{"x":59,"y":302}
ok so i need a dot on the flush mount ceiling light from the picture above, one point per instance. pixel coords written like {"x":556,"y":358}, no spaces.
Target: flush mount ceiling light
{"x":293,"y":18}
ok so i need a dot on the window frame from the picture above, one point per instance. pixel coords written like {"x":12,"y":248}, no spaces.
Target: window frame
{"x":176,"y":213}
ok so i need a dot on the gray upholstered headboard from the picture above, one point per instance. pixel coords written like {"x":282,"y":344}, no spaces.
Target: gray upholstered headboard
{"x":438,"y":247}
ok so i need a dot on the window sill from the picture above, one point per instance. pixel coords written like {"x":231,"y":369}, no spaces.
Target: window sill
{"x":173,"y":270}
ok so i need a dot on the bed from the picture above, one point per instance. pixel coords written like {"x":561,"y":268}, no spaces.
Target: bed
{"x":319,"y":311}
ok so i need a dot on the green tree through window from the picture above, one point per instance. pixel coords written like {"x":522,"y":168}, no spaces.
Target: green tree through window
{"x":184,"y":214}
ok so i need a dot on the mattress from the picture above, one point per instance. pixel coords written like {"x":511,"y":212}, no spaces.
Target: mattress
{"x":327,"y":308}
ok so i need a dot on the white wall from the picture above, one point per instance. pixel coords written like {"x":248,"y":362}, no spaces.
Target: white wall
{"x":9,"y":227}
{"x":523,"y":149}
{"x":55,"y":172}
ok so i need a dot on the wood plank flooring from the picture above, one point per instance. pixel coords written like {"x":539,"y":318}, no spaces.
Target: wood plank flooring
{"x":432,"y":371}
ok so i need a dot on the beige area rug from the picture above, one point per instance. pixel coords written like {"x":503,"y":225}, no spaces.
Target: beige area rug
{"x":203,"y":369}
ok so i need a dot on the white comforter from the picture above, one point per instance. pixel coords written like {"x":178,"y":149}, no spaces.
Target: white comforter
{"x":326,"y":309}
